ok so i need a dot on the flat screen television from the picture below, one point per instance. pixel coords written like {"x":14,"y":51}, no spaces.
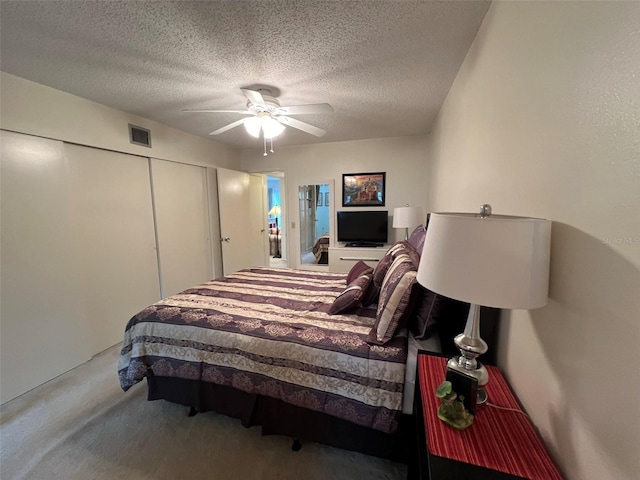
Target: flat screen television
{"x":363,"y":228}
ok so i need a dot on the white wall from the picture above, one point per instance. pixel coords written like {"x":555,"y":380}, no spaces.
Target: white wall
{"x":402,"y":158}
{"x":29,"y":107}
{"x":543,"y":120}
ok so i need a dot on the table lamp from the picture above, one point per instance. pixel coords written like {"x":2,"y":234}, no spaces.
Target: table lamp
{"x":483,"y":259}
{"x":407,"y":217}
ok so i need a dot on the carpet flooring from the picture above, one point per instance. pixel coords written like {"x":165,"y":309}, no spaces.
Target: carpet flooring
{"x":81,"y":426}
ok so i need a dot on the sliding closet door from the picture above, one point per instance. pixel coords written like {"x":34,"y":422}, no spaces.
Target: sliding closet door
{"x":182,"y":223}
{"x":110,"y":199}
{"x":42,"y":332}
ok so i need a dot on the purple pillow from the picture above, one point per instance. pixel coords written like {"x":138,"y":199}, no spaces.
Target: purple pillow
{"x":399,"y":248}
{"x":395,"y":300}
{"x":428,"y":310}
{"x":351,"y":297}
{"x":417,"y":238}
{"x":357,"y":270}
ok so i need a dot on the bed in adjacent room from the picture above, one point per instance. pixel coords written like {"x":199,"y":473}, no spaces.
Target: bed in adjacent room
{"x":321,"y":249}
{"x":327,"y":357}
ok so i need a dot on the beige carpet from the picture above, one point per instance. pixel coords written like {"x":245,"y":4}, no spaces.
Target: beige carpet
{"x":82,"y":426}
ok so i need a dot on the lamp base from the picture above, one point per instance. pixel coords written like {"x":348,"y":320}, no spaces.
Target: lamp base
{"x":471,"y":346}
{"x":479,"y":373}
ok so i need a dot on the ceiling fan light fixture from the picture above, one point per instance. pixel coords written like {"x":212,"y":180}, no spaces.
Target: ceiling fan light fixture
{"x":271,"y":128}
{"x":252,"y":125}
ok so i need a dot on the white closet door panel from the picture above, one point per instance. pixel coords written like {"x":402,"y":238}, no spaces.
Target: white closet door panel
{"x":214,"y":221}
{"x":110,"y":196}
{"x":182,"y":223}
{"x":258,"y":207}
{"x":42,"y":329}
{"x":235,"y":219}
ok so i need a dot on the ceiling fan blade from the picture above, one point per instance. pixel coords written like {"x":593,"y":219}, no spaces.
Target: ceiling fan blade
{"x":254,"y":97}
{"x":205,"y":110}
{"x":235,"y":124}
{"x":302,"y":109}
{"x":305,"y":127}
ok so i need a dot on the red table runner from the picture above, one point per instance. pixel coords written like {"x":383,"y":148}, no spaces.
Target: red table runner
{"x":501,"y":440}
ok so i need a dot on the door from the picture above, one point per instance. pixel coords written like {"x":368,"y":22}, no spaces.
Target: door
{"x":110,"y":200}
{"x":42,"y":333}
{"x":182,"y":222}
{"x":235,"y":219}
{"x":259,"y":234}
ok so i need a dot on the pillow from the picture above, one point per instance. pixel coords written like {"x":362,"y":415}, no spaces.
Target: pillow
{"x":371,"y":295}
{"x":395,"y":299}
{"x":351,"y":297}
{"x":429,"y":309}
{"x":416,"y":239}
{"x":410,"y":250}
{"x":398,"y":248}
{"x":357,"y":270}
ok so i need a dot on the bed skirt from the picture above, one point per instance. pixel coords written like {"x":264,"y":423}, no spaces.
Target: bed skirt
{"x":279,"y":418}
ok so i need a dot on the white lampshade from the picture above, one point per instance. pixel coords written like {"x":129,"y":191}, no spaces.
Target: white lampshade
{"x":407,"y":217}
{"x":271,"y":128}
{"x":496,"y":261}
{"x":253,"y":125}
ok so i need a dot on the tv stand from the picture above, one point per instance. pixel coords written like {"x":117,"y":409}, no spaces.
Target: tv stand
{"x":363,"y":244}
{"x":341,"y":259}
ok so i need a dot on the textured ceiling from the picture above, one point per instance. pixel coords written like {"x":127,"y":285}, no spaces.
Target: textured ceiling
{"x":384,"y":66}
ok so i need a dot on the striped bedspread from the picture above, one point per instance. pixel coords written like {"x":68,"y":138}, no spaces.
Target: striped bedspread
{"x":321,"y":246}
{"x":268,"y":331}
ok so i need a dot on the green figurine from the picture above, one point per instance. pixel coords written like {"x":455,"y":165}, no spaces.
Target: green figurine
{"x":452,"y":410}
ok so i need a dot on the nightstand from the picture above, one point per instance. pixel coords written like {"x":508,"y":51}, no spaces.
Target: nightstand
{"x":499,"y":445}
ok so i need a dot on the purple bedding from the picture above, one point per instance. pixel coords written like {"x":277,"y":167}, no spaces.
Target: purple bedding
{"x":267,"y":331}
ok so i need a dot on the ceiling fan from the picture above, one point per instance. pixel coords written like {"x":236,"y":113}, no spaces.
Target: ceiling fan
{"x":267,"y":116}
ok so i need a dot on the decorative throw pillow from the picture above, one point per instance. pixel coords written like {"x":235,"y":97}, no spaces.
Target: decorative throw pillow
{"x":351,"y":297}
{"x":379,"y":272}
{"x":357,"y":270}
{"x":385,"y":262}
{"x":429,"y":308}
{"x":399,"y":248}
{"x":410,"y":250}
{"x":416,"y":239}
{"x":395,"y":297}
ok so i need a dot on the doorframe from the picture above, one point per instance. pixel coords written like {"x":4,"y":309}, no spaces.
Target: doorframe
{"x":284,"y":223}
{"x":332,"y":210}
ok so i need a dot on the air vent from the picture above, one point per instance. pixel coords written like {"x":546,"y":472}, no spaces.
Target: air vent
{"x":139,"y":136}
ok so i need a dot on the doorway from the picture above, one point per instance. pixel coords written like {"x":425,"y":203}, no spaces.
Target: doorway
{"x":275,"y":212}
{"x":314,"y":206}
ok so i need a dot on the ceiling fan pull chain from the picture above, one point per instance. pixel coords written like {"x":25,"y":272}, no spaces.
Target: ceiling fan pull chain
{"x":271,"y":140}
{"x":264,"y":139}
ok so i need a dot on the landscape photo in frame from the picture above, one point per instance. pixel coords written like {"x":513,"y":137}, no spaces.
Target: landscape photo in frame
{"x":363,"y":189}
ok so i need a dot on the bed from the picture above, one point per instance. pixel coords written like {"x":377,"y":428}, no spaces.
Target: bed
{"x":321,"y":249}
{"x":301,"y":353}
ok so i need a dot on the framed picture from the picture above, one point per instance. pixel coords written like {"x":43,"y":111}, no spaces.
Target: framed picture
{"x":319,"y":204}
{"x":326,"y":199}
{"x":363,"y":189}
